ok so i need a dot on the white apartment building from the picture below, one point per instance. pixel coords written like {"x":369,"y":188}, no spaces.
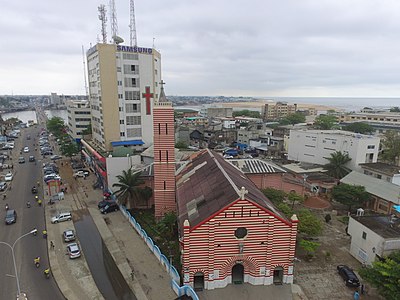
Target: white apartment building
{"x":78,"y":117}
{"x":315,"y":146}
{"x":124,"y":82}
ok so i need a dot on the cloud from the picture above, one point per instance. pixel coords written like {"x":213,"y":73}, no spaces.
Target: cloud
{"x":258,"y":48}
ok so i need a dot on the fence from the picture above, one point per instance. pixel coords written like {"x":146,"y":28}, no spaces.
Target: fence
{"x":171,"y":270}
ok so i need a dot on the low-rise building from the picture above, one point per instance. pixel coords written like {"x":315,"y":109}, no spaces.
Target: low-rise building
{"x":316,"y":146}
{"x":373,"y":237}
{"x":278,"y":110}
{"x":384,"y":194}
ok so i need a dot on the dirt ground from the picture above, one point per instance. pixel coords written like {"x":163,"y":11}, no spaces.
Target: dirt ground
{"x":318,"y":278}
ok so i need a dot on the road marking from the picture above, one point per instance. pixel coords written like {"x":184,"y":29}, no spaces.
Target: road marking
{"x":9,"y":275}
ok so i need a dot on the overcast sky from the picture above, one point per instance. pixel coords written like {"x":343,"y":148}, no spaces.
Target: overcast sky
{"x":259,"y":48}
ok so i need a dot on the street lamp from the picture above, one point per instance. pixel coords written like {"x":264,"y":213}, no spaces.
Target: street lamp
{"x":34,"y":231}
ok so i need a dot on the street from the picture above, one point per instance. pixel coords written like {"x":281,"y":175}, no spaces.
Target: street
{"x":31,"y":279}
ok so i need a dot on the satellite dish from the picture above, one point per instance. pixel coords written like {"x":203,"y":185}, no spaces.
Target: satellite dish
{"x":117,"y":39}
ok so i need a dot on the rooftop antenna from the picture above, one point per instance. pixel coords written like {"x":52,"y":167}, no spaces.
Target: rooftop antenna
{"x":132,"y":25}
{"x":84,"y":73}
{"x":102,"y":17}
{"x":114,"y":24}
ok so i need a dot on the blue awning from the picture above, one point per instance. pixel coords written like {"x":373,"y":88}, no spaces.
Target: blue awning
{"x":127,"y":143}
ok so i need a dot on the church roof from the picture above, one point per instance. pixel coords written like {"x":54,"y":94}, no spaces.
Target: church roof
{"x":162,"y":98}
{"x":208,"y":183}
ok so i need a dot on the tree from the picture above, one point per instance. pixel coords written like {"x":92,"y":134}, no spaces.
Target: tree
{"x":293,"y":119}
{"x":325,"y":122}
{"x":391,"y":147}
{"x":385,"y":275}
{"x":87,"y":130}
{"x":55,"y":125}
{"x":359,"y":127}
{"x":167,"y":225}
{"x":395,"y":109}
{"x":129,"y":191}
{"x":69,"y":148}
{"x":336,"y":167}
{"x":310,"y":247}
{"x":181,"y":145}
{"x":294,"y":197}
{"x":276,"y":196}
{"x":350,"y":195}
{"x":247,"y":113}
{"x":309,"y":224}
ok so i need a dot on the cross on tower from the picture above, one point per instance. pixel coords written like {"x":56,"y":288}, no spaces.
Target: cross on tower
{"x":243,"y":192}
{"x":147,"y":95}
{"x":162,"y":83}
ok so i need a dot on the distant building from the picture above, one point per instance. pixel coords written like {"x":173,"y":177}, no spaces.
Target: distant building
{"x":373,"y":118}
{"x":78,"y":117}
{"x":373,"y":237}
{"x":277,"y":111}
{"x":123,"y":85}
{"x":389,"y":173}
{"x":216,"y":112}
{"x":230,"y":232}
{"x":55,"y":99}
{"x":315,"y":146}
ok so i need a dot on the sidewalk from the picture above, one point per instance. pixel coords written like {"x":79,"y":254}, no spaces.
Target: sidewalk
{"x":129,"y":251}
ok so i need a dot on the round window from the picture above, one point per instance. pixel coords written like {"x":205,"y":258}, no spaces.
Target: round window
{"x":241,"y":232}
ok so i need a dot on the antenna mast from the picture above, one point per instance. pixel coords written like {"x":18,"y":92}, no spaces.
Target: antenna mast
{"x":132,"y":24}
{"x":102,"y":17}
{"x":114,"y":23}
{"x":84,"y":73}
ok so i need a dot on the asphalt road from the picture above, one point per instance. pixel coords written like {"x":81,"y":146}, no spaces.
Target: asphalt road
{"x":32,"y":280}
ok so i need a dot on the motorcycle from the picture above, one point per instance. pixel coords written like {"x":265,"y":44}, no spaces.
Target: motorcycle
{"x":6,"y":207}
{"x":34,"y":190}
{"x":46,"y":273}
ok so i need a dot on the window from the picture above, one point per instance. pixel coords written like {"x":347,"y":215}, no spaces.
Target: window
{"x":371,"y":147}
{"x":121,"y":122}
{"x":132,"y":107}
{"x":241,"y":232}
{"x":364,"y":235}
{"x":133,"y":132}
{"x":131,"y":69}
{"x":130,"y":56}
{"x":132,"y":95}
{"x":122,"y":134}
{"x":133,"y":120}
{"x":131,"y":82}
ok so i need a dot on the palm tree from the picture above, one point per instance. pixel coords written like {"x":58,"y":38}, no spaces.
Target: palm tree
{"x":337,"y":165}
{"x":128,"y":191}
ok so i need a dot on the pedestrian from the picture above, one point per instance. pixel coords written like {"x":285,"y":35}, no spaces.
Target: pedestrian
{"x":356,"y":295}
{"x":362,"y":289}
{"x":51,"y":245}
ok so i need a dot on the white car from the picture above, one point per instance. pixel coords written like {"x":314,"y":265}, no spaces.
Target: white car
{"x":26,"y":149}
{"x":61,"y":217}
{"x":73,"y":250}
{"x":8,"y":177}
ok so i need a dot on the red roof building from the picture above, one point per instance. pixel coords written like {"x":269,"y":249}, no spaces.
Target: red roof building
{"x":229,"y":231}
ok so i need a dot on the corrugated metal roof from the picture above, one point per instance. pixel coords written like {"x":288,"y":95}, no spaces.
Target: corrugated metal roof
{"x":255,"y":166}
{"x":208,"y":183}
{"x":381,"y":188}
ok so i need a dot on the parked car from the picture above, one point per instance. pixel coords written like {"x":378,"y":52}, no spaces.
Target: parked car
{"x":81,"y":173}
{"x":50,"y":177}
{"x":113,"y":206}
{"x":31,"y":158}
{"x":104,"y":203}
{"x":3,"y":186}
{"x":69,"y":235}
{"x":21,"y":160}
{"x":8,"y":177}
{"x":26,"y":149}
{"x":55,"y":157}
{"x":73,"y":250}
{"x":350,"y":278}
{"x":11,"y":216}
{"x":61,"y":217}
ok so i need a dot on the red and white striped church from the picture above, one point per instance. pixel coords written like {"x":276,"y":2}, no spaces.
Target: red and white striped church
{"x":229,"y":231}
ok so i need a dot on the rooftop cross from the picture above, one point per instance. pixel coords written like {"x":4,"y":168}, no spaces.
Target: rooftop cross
{"x":243,"y":192}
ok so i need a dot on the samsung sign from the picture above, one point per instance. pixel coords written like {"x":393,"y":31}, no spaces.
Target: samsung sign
{"x":134,"y":49}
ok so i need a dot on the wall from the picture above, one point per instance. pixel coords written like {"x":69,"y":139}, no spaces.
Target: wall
{"x":115,"y":166}
{"x":359,"y":245}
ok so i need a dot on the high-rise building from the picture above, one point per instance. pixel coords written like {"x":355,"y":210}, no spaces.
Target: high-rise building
{"x":277,"y":111}
{"x":123,"y":84}
{"x":78,"y":117}
{"x":164,"y":157}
